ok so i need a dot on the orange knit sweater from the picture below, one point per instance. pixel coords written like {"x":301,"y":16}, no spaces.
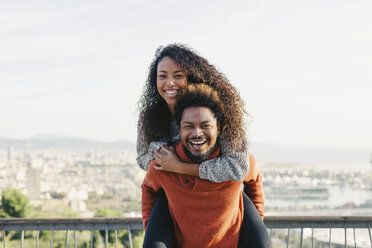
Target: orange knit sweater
{"x":205,"y":214}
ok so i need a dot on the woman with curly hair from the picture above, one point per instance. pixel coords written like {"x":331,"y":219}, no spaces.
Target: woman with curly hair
{"x":156,"y":122}
{"x":173,"y":67}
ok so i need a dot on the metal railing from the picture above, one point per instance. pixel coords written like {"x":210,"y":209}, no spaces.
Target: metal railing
{"x":284,"y":223}
{"x":325,"y":223}
{"x":70,"y":224}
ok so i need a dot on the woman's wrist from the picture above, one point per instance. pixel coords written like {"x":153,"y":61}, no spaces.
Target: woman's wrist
{"x":187,"y":168}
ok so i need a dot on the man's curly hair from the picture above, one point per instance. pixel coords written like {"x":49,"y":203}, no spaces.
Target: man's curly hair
{"x":199,"y":95}
{"x":155,"y":116}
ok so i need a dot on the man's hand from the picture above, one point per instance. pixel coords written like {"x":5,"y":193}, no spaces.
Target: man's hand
{"x":167,"y":159}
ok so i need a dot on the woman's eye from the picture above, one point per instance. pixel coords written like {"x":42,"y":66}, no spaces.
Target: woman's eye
{"x":179,"y":76}
{"x":162,"y":76}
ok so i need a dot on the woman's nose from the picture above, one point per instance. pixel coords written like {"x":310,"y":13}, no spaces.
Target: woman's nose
{"x":170,"y":81}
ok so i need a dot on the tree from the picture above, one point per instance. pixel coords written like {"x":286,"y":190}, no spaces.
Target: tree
{"x":15,"y":204}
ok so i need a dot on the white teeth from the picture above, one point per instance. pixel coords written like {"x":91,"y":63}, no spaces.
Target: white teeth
{"x":197,"y":144}
{"x":171,"y":92}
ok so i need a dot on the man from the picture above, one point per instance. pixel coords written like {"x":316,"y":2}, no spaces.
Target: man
{"x":205,"y":214}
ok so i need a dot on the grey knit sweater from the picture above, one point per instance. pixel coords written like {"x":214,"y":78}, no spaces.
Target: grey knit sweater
{"x":230,"y":166}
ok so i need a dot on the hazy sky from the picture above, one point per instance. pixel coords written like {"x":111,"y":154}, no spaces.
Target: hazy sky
{"x":77,"y":68}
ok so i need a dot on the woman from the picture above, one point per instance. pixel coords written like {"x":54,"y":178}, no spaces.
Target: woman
{"x":172,"y":68}
{"x":179,"y":65}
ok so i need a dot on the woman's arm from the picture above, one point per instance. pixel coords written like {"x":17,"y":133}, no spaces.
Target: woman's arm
{"x":168,"y":161}
{"x":145,"y":153}
{"x":230,"y":166}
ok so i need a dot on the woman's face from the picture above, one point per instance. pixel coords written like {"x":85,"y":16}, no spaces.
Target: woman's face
{"x":170,"y":80}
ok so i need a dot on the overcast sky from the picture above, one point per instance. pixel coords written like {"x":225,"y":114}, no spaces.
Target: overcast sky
{"x":77,"y":68}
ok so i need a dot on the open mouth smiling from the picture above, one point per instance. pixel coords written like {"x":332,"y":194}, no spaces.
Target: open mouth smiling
{"x":197,"y":143}
{"x":171,"y":93}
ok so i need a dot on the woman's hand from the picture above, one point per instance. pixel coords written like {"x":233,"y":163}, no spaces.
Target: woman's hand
{"x":167,"y":159}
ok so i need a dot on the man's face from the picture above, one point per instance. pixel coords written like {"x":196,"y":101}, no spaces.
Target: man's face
{"x":199,"y":131}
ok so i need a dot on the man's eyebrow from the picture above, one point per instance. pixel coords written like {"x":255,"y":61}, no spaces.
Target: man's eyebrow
{"x":189,"y":122}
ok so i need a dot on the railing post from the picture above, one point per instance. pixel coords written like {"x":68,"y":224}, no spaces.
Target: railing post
{"x":302,"y":231}
{"x":116,"y":238}
{"x":37,"y":238}
{"x":271,"y":230}
{"x":345,"y":236}
{"x":75,"y":237}
{"x":66,"y":240}
{"x":91,"y":237}
{"x":289,"y":230}
{"x":106,"y":236}
{"x":22,"y":238}
{"x":312,"y":235}
{"x":52,"y":237}
{"x":4,"y":233}
{"x":130,"y":237}
{"x":330,"y":235}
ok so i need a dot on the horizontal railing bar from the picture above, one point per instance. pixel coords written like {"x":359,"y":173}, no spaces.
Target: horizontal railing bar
{"x":72,"y":226}
{"x":57,"y":224}
{"x":70,"y":220}
{"x":320,"y":218}
{"x":317,"y":221}
{"x":100,"y":223}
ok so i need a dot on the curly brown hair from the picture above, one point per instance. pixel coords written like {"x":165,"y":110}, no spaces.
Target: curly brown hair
{"x":199,"y":95}
{"x":155,"y":116}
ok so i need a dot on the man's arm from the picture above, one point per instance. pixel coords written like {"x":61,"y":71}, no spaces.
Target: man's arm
{"x":253,"y":186}
{"x":150,"y":189}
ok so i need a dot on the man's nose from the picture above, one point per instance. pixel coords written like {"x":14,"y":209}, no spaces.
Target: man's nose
{"x":197,"y":132}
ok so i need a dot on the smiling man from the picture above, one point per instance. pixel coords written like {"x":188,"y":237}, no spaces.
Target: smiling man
{"x":204,"y":213}
{"x":199,"y":133}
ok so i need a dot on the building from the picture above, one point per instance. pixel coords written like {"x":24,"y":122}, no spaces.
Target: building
{"x":33,"y":180}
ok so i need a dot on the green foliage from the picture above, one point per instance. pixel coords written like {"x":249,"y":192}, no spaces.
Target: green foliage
{"x":15,"y":204}
{"x":97,"y":241}
{"x":58,"y":211}
{"x":107,"y":212}
{"x":138,"y":239}
{"x":3,"y":214}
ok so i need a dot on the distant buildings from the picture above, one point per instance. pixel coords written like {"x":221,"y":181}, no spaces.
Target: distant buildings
{"x":33,"y":180}
{"x":10,"y":153}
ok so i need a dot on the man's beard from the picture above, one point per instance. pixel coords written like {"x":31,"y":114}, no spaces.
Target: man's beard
{"x":198,"y":158}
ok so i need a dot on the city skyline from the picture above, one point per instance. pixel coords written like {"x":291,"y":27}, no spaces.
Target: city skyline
{"x":78,"y":68}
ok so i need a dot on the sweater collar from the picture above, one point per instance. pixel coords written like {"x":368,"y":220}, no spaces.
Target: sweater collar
{"x":182,"y":154}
